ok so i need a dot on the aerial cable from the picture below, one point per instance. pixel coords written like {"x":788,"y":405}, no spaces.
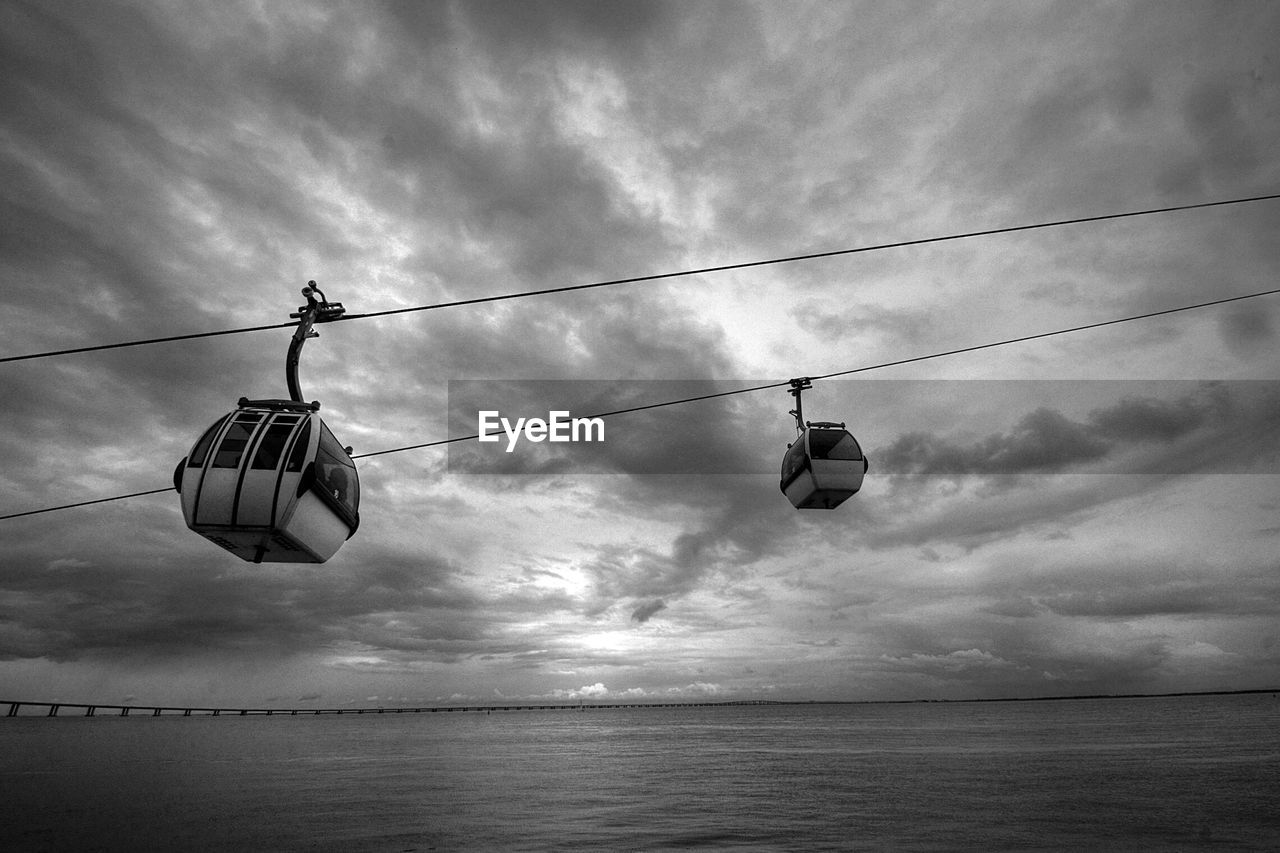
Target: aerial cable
{"x":122,"y":344}
{"x":85,"y":503}
{"x":597,"y":415}
{"x":818,"y":255}
{"x":667,"y":275}
{"x":751,"y":389}
{"x":868,"y":368}
{"x":1066,"y":331}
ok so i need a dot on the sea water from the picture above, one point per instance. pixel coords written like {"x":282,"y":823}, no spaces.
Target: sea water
{"x":1169,"y":773}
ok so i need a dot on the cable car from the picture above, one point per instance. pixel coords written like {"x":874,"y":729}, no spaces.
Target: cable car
{"x":270,"y":481}
{"x":825,"y":465}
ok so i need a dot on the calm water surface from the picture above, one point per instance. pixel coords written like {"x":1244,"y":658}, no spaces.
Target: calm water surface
{"x":1184,"y":773}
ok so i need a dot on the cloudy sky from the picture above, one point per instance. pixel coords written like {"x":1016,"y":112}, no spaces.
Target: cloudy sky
{"x":1093,"y":512}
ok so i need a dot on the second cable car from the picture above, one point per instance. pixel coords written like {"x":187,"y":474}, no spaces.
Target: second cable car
{"x":269,"y":481}
{"x":825,"y":465}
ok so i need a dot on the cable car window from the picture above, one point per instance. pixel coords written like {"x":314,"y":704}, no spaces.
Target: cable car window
{"x":235,"y":441}
{"x":271,"y":448}
{"x":202,"y":446}
{"x":335,"y":472}
{"x":833,"y":444}
{"x":299,"y":454}
{"x":793,"y":461}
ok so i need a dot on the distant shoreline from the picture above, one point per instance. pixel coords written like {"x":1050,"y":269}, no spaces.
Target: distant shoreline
{"x":1065,"y":698}
{"x":54,"y":709}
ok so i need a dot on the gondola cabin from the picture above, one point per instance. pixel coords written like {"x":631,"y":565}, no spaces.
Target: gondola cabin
{"x":270,"y":482}
{"x":823,"y":467}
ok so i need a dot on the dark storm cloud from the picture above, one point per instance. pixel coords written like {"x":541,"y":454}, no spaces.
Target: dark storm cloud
{"x":1247,"y":330}
{"x":74,"y":608}
{"x":532,"y":194}
{"x":1176,"y":599}
{"x":1104,"y":113}
{"x":574,"y":25}
{"x":537,"y":203}
{"x":732,"y":523}
{"x":1043,"y":440}
{"x":1230,"y":420}
{"x":104,"y":156}
{"x":1047,"y":654}
{"x":1215,"y":112}
{"x":1125,"y":589}
{"x":646,"y":610}
{"x":542,"y":206}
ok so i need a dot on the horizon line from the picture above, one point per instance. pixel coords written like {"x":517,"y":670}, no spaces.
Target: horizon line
{"x":124,"y":710}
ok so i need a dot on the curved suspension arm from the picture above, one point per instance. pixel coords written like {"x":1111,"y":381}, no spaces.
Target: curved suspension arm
{"x":315,"y":311}
{"x":797,"y":386}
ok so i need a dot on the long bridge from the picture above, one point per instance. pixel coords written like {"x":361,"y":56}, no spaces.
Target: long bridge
{"x":53,"y":709}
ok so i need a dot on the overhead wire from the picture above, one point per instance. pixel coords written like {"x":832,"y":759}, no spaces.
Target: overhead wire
{"x":753,"y":388}
{"x":868,"y":368}
{"x":122,"y":344}
{"x":660,"y":276}
{"x":85,"y":503}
